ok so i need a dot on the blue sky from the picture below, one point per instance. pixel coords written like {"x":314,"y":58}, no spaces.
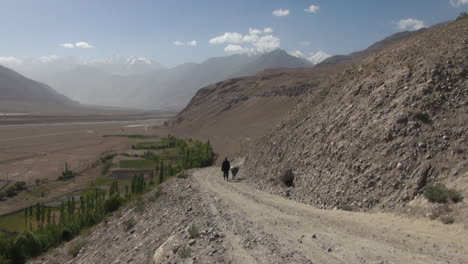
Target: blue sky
{"x":149,"y":28}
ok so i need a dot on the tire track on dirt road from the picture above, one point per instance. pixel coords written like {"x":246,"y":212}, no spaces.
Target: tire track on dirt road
{"x":313,"y":235}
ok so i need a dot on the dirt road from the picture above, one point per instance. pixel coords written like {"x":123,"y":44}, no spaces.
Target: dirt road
{"x":263,"y":228}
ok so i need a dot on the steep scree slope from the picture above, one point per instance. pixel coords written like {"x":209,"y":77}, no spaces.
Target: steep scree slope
{"x":378,"y":132}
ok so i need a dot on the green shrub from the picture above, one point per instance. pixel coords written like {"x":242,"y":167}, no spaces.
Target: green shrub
{"x":20,"y":186}
{"x":76,"y":247}
{"x":129,"y":223}
{"x":67,"y":234}
{"x":2,"y":195}
{"x":139,"y":205}
{"x":156,"y":194}
{"x":463,"y":15}
{"x":346,"y":207}
{"x":439,"y":193}
{"x":112,"y":204}
{"x":185,"y":252}
{"x":25,"y":246}
{"x":447,"y":219}
{"x":105,"y":168}
{"x":193,"y":231}
{"x":11,"y":191}
{"x":454,"y":195}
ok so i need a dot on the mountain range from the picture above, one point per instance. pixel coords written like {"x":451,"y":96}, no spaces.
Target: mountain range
{"x":15,"y":88}
{"x":369,"y":130}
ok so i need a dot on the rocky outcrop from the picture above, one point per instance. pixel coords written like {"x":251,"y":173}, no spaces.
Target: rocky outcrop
{"x":376,"y":133}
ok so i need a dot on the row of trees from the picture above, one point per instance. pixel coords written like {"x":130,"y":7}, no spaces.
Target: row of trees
{"x":198,"y":155}
{"x":47,"y":227}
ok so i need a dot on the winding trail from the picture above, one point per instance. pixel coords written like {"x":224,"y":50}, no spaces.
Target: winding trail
{"x":264,"y":228}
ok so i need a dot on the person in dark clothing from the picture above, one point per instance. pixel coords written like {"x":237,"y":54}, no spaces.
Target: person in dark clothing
{"x":225,"y":167}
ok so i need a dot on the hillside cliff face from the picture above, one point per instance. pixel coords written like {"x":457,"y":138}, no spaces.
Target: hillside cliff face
{"x":375,"y":134}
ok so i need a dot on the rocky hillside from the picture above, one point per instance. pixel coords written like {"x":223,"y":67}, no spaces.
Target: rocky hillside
{"x":236,"y":112}
{"x":375,"y":134}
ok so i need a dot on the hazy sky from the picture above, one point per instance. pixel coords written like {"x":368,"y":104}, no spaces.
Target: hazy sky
{"x":176,"y":31}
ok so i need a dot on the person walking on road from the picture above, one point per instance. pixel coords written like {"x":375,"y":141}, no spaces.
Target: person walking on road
{"x":225,"y":167}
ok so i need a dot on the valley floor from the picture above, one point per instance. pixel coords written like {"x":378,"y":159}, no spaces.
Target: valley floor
{"x":236,"y":223}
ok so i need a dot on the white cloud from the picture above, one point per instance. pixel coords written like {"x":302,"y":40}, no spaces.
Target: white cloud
{"x":67,"y":45}
{"x":228,"y":37}
{"x":191,"y":43}
{"x":458,"y":3}
{"x":254,"y":42}
{"x":297,"y":53}
{"x":281,"y":12}
{"x":318,"y":57}
{"x":238,"y":49}
{"x":254,"y":31}
{"x":249,"y":38}
{"x":10,"y":61}
{"x":267,"y":43}
{"x":84,"y":45}
{"x":178,"y":43}
{"x":410,"y":24}
{"x":312,"y":9}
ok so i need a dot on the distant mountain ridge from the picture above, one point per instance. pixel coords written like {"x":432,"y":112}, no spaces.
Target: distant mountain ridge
{"x":162,"y":88}
{"x":16,"y":87}
{"x":378,"y":46}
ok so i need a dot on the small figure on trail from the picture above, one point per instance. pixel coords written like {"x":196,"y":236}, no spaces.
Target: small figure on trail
{"x":234,"y":171}
{"x":225,"y":168}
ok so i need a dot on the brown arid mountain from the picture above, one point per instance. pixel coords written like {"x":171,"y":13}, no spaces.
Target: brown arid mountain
{"x":17,"y":89}
{"x":371,"y":135}
{"x":235,"y":112}
{"x":376,"y":47}
{"x":375,"y":134}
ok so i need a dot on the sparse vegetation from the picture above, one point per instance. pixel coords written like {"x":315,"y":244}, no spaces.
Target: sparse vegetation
{"x":76,"y":247}
{"x":112,"y":204}
{"x":423,"y":117}
{"x":439,"y":210}
{"x":346,"y":207}
{"x":66,"y":174}
{"x":129,"y":223}
{"x":463,"y":15}
{"x":156,"y":194}
{"x":105,"y":168}
{"x":139,"y":205}
{"x":447,"y":219}
{"x":13,"y":190}
{"x":185,"y":252}
{"x":439,"y":193}
{"x":193,"y":231}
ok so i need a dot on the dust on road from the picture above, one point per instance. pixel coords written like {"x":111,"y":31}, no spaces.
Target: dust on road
{"x":263,"y":228}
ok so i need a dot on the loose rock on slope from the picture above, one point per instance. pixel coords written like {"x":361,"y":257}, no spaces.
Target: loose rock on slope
{"x":375,"y":134}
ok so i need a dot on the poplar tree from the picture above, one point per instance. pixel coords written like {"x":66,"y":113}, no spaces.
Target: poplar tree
{"x":161,"y":173}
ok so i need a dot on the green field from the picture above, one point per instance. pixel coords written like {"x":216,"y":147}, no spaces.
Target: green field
{"x":151,"y":145}
{"x":137,"y":164}
{"x":13,"y":222}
